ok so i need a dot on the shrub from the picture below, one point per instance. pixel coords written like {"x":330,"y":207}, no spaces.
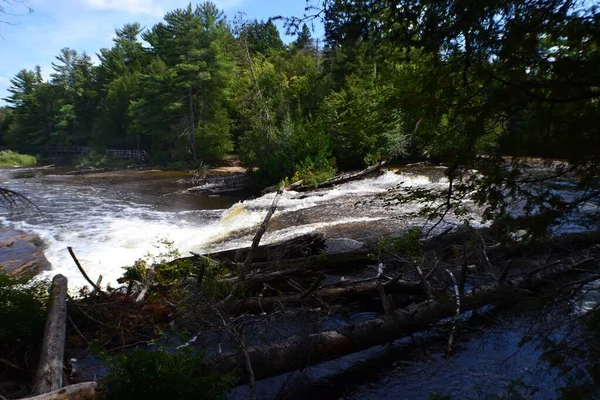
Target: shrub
{"x":96,"y":159}
{"x":162,"y":375}
{"x":9,"y":158}
{"x":22,"y":312}
{"x":313,"y":172}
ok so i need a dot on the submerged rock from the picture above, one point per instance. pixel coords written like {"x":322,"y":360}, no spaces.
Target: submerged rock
{"x":22,"y":253}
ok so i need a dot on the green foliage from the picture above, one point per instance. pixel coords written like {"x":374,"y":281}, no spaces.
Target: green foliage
{"x":363,"y":129}
{"x":99,"y":160}
{"x":22,"y":312}
{"x":313,"y":172}
{"x":167,"y":270}
{"x":422,"y":78}
{"x":409,"y":244}
{"x":261,"y":37}
{"x":162,"y":374}
{"x":10,"y":158}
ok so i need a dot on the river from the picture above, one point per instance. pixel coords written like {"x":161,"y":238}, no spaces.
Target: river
{"x":112,"y":219}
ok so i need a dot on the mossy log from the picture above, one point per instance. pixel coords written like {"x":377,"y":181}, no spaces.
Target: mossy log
{"x":338,"y":180}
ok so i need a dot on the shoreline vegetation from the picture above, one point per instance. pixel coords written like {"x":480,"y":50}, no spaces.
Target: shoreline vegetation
{"x":9,"y":159}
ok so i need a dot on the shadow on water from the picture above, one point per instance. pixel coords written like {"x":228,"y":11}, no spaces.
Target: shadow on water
{"x":488,"y":356}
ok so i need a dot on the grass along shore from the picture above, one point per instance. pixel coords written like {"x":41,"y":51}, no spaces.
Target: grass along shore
{"x":9,"y":158}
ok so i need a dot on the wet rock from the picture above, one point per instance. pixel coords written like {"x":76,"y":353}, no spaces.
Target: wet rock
{"x":22,"y":253}
{"x":342,"y":245}
{"x":217,"y":185}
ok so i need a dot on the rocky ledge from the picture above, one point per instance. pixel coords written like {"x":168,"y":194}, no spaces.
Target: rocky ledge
{"x":22,"y":253}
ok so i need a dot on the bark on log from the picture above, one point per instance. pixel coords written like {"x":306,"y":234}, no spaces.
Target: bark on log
{"x":49,"y":375}
{"x":254,"y":282}
{"x":304,"y":267}
{"x":79,"y":391}
{"x":299,"y":352}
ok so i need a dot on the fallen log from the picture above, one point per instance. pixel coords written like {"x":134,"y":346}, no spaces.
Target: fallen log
{"x":79,"y":391}
{"x":322,"y":262}
{"x":338,"y":180}
{"x":49,"y":374}
{"x":305,"y":267}
{"x":298,"y":247}
{"x":255,"y":281}
{"x":299,"y":352}
{"x":329,"y":295}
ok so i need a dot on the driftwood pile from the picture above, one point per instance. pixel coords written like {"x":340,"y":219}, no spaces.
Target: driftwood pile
{"x":415,"y":291}
{"x":410,"y":289}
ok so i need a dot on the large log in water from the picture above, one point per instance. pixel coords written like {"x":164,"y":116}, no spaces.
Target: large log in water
{"x":301,"y":246}
{"x":299,"y":352}
{"x":338,"y":180}
{"x":49,"y":375}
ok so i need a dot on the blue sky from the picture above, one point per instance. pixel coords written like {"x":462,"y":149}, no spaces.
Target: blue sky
{"x":31,"y":39}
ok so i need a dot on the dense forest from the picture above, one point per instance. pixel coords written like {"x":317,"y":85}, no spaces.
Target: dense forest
{"x":449,"y":79}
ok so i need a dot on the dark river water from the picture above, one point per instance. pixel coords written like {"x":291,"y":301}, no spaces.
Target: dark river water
{"x":111,"y":220}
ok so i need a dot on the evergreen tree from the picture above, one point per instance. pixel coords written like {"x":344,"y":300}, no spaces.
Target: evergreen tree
{"x":118,"y":79}
{"x":304,"y":39}
{"x":262,"y":37}
{"x":74,"y":74}
{"x":193,"y":45}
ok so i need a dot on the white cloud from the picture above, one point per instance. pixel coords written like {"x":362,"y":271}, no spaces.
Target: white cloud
{"x":130,"y":6}
{"x":228,"y":4}
{"x":4,"y":82}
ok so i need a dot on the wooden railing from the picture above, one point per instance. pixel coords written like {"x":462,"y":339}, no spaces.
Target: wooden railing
{"x":140,"y":155}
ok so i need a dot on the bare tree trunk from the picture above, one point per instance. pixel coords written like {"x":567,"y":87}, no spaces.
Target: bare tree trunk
{"x":192,"y":126}
{"x":255,"y":242}
{"x":49,"y":375}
